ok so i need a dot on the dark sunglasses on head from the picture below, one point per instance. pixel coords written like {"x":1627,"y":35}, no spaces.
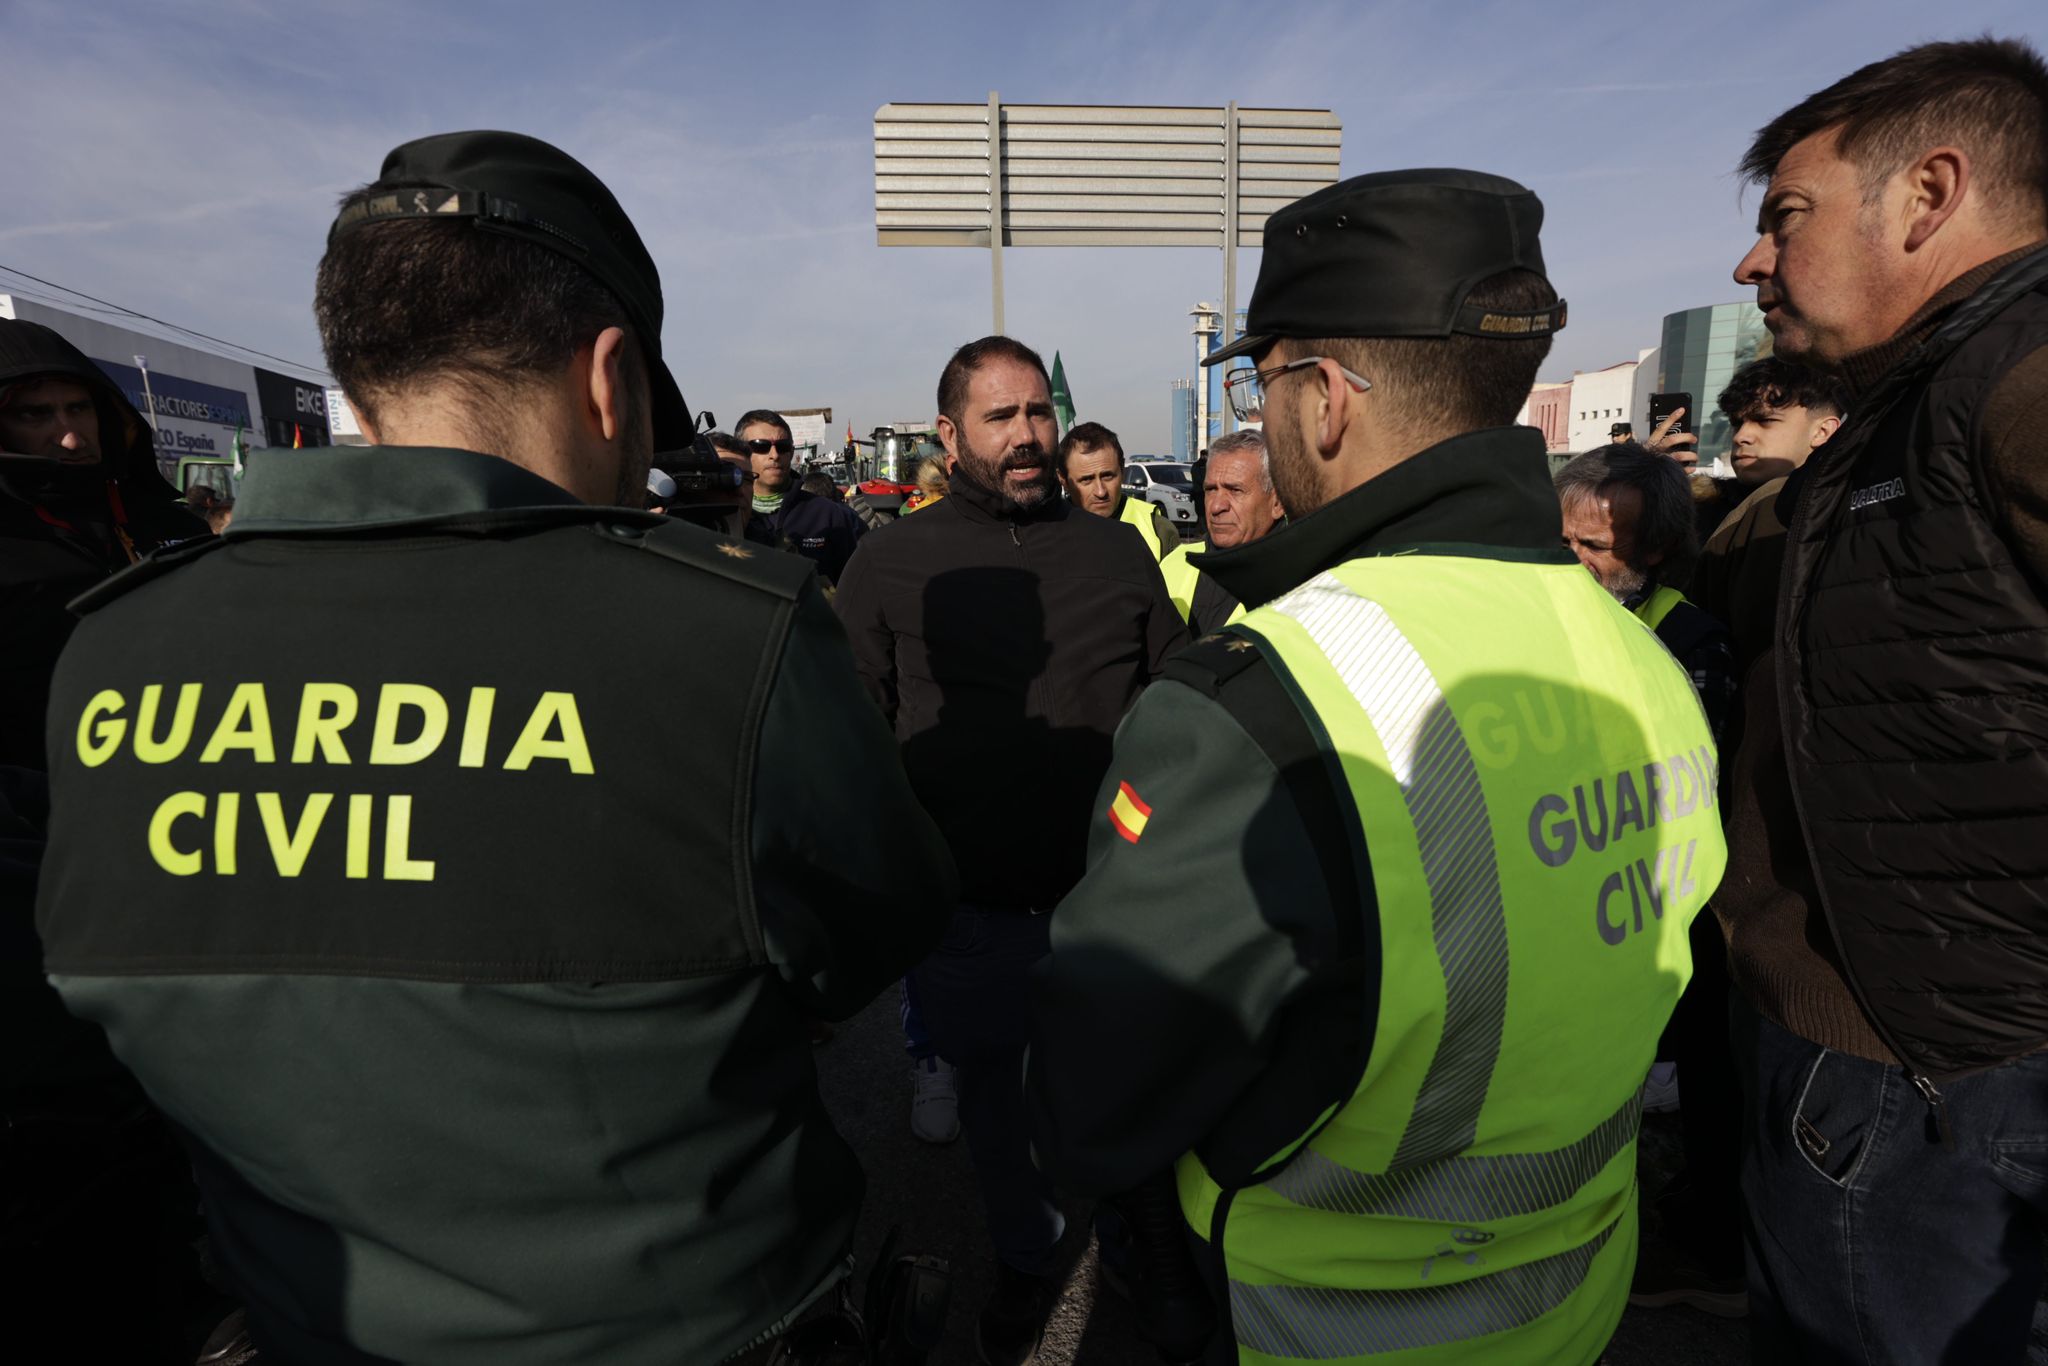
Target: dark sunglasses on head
{"x":760,"y":446}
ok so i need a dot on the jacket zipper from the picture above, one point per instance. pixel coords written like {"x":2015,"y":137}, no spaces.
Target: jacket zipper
{"x":1937,"y":1106}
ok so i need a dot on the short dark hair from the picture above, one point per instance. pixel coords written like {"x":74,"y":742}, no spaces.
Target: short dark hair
{"x":1447,"y":385}
{"x":1986,"y":95}
{"x":766,"y":418}
{"x":417,"y":301}
{"x":953,"y":380}
{"x":1088,"y":436}
{"x":1666,"y":523}
{"x":730,"y":444}
{"x":1776,"y":382}
{"x":820,"y":483}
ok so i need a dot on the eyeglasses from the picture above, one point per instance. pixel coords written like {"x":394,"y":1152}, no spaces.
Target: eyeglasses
{"x":1246,"y":387}
{"x":759,"y":446}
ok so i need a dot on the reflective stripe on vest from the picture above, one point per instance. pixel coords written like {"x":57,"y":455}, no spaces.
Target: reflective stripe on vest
{"x":1653,"y":609}
{"x":1434,"y":767}
{"x":1462,"y":1190}
{"x":1314,"y":1323}
{"x":1541,"y":831}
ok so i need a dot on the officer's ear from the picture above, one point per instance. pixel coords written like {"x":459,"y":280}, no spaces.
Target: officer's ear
{"x":949,"y":437}
{"x":610,"y":367}
{"x":1334,"y":410}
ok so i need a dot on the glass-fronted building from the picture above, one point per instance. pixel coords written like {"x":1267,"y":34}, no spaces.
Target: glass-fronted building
{"x":1183,"y":427}
{"x":1702,"y":349}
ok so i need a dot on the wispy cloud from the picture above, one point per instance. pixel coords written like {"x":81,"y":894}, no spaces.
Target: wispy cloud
{"x":185,"y":159}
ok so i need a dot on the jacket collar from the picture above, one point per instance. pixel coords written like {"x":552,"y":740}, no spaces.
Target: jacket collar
{"x":1486,"y":493}
{"x":986,"y":506}
{"x":337,"y":486}
{"x":1863,"y":369}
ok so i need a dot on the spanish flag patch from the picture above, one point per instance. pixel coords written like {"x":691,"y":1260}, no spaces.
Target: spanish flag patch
{"x":1128,"y":814}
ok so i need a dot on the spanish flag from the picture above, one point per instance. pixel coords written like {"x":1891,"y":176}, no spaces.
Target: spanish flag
{"x":1128,"y":814}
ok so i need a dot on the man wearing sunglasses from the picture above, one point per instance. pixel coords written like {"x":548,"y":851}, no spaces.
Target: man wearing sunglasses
{"x":1388,"y":883}
{"x":785,"y":516}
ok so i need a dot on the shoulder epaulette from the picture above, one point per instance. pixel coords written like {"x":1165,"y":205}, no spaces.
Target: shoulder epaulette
{"x":742,"y":562}
{"x":1213,"y":661}
{"x":154,"y":565}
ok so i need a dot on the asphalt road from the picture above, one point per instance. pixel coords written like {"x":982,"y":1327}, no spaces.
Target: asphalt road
{"x":865,"y":1079}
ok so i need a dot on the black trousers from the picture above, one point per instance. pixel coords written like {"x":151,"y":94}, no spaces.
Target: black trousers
{"x":1702,"y":1211}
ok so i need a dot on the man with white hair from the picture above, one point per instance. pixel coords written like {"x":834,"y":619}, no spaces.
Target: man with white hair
{"x":1239,"y":502}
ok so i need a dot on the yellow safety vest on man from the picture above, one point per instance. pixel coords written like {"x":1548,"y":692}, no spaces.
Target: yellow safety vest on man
{"x":1536,"y":785}
{"x":1167,"y":551}
{"x":1652,"y":610}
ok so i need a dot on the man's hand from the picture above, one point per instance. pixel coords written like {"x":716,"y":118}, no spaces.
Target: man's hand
{"x":1682,"y":447}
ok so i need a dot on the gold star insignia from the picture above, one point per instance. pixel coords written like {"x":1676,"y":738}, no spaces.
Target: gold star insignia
{"x":738,"y":552}
{"x":1239,"y":644}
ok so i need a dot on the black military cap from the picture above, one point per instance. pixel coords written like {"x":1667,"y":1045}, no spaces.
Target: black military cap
{"x":525,"y":188}
{"x":1394,"y":255}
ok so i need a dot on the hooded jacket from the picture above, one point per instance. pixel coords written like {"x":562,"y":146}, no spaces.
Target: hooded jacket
{"x":64,"y":528}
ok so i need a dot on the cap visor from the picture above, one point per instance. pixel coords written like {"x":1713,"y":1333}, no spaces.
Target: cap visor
{"x":674,"y":428}
{"x":1249,"y":345}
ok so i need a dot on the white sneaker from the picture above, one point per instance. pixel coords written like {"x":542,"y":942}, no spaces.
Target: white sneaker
{"x":934,"y":1103}
{"x":1660,"y":1089}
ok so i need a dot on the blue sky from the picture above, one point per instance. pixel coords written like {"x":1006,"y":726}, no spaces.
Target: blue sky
{"x":183,"y":158}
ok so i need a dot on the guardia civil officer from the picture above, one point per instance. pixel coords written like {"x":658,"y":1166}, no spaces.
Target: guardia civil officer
{"x":482,"y":987}
{"x":1379,"y":965}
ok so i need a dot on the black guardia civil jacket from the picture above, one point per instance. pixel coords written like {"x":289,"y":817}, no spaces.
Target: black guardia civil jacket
{"x":1913,"y":686}
{"x":1005,"y":647}
{"x":465,"y":896}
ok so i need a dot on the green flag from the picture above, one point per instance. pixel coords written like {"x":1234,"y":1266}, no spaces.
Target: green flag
{"x":238,"y":449}
{"x":1062,"y":401}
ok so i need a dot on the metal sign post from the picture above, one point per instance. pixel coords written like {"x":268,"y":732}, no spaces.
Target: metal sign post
{"x":1048,"y":175}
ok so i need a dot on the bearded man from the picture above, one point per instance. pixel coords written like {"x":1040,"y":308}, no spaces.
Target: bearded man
{"x":1004,"y":632}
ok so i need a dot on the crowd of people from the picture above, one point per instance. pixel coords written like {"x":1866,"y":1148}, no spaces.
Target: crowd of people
{"x":441,"y":875}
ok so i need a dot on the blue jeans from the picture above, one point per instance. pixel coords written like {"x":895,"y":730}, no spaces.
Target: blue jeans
{"x":973,"y":995}
{"x":1870,"y":1242}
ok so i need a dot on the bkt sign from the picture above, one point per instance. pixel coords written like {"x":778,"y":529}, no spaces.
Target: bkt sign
{"x":288,"y":402}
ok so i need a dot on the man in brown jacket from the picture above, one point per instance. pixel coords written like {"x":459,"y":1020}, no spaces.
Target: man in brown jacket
{"x":1888,"y":803}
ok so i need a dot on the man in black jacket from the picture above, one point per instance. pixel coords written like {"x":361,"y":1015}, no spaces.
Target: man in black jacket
{"x":785,"y":515}
{"x":80,"y":497}
{"x":99,"y":1204}
{"x":1004,"y":632}
{"x":1897,"y":964}
{"x":482,"y":991}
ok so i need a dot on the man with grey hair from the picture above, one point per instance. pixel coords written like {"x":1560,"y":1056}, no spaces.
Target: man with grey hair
{"x":1628,"y":517}
{"x":1240,"y":507}
{"x":1237,"y":491}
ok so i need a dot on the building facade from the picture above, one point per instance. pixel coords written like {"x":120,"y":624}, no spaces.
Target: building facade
{"x":1549,"y":411}
{"x":1601,"y":398}
{"x":1182,"y":422}
{"x":1702,"y":349}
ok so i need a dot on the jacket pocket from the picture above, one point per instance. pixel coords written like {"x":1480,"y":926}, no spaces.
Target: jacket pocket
{"x":2021,"y":1166}
{"x":1840,"y":1116}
